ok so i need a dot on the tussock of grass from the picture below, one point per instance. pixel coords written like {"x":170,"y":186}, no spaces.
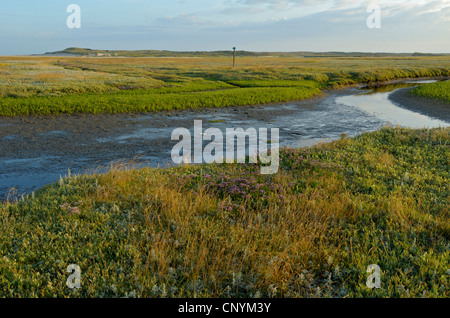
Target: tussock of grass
{"x":226,"y":231}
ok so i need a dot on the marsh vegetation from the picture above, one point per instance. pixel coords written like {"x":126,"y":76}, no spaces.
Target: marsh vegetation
{"x":227,"y":231}
{"x":65,"y":85}
{"x":311,"y":230}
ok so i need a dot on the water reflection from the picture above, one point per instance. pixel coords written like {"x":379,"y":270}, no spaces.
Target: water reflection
{"x":377,"y":104}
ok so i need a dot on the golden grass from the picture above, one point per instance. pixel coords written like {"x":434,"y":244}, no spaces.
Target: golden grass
{"x":331,"y":211}
{"x":276,"y":240}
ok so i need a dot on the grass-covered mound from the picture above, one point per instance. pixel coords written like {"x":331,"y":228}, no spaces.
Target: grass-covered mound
{"x":311,"y":230}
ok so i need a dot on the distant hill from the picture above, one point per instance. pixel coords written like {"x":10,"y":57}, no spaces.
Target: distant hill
{"x":74,"y":51}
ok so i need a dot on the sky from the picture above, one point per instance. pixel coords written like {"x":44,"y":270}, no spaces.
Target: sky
{"x":33,"y":27}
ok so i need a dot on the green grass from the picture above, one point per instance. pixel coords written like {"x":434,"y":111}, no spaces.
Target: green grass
{"x":311,"y":230}
{"x":275,"y":83}
{"x":438,"y":91}
{"x":148,"y":102}
{"x":61,"y":85}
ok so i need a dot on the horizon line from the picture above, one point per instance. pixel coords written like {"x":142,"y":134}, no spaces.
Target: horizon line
{"x":55,"y":53}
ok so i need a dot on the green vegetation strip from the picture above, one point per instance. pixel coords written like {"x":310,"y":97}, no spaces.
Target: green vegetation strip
{"x":438,"y":91}
{"x":144,"y":101}
{"x":311,"y":230}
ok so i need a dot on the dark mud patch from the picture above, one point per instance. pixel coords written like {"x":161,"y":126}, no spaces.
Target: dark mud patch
{"x":426,"y":106}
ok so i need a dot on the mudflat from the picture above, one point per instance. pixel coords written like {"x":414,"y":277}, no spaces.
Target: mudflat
{"x":36,"y":150}
{"x":426,"y":106}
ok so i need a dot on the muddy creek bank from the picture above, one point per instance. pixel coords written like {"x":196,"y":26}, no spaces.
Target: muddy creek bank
{"x":35,"y":151}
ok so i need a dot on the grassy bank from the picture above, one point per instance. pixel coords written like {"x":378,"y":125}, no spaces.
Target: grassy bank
{"x":437,"y":91}
{"x":64,"y":85}
{"x":311,"y":230}
{"x":144,"y":101}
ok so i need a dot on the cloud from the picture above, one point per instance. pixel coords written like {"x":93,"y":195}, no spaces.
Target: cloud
{"x":246,"y":12}
{"x":391,"y":7}
{"x":262,"y":25}
{"x":296,"y":25}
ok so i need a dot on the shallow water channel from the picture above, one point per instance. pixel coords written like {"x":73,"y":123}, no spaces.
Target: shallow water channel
{"x":37,"y":151}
